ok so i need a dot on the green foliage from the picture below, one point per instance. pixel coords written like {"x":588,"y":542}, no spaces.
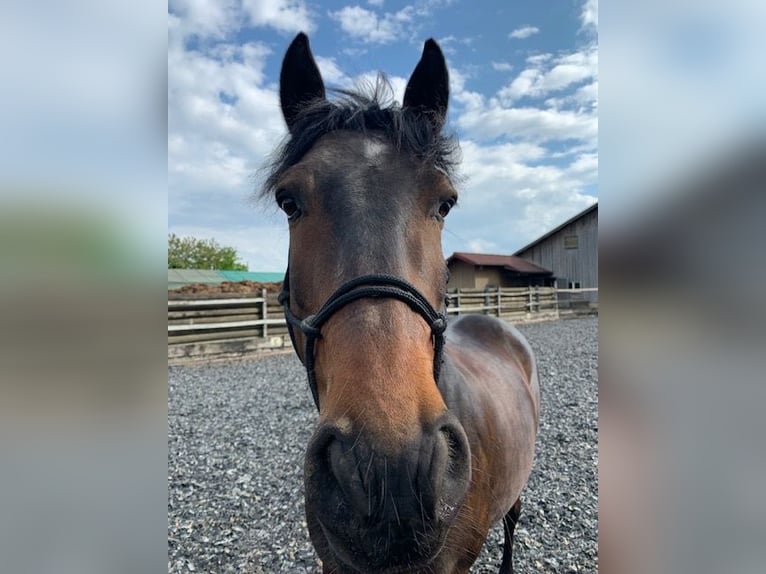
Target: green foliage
{"x":192,"y":253}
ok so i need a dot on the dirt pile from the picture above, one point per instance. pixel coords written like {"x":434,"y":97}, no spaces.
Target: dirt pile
{"x":240,"y":288}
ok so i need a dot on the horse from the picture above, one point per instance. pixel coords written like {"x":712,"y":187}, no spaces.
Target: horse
{"x":426,"y":428}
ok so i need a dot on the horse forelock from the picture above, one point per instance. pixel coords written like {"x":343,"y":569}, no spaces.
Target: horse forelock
{"x":370,"y":108}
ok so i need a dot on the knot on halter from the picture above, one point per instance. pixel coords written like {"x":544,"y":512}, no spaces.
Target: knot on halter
{"x":308,"y":328}
{"x":439,"y":325}
{"x":366,"y":286}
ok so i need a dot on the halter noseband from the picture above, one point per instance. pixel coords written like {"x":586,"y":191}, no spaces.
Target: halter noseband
{"x":367,"y":286}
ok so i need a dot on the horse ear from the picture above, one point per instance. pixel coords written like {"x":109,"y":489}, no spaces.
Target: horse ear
{"x":299,"y":81}
{"x":428,"y":88}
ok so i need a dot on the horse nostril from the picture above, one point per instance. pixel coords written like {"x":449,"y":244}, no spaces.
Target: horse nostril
{"x":457,"y":449}
{"x":454,"y":448}
{"x":334,"y":455}
{"x":344,"y":468}
{"x":453,"y":475}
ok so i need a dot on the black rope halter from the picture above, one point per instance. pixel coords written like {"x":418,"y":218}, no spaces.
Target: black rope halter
{"x":367,"y":286}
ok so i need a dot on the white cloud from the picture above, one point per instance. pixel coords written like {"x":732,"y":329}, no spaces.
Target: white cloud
{"x":539,"y":59}
{"x":519,"y":181}
{"x":203,"y":18}
{"x":562,"y":72}
{"x":502,"y":66}
{"x":585,"y":168}
{"x":524,"y":32}
{"x":531,"y":124}
{"x":522,"y":85}
{"x":220,"y":19}
{"x":331,"y":73}
{"x":587,"y":94}
{"x":213,"y":166}
{"x":354,"y":52}
{"x":519,"y":171}
{"x":571,"y":119}
{"x":480,"y":245}
{"x":589,"y":14}
{"x":367,"y":26}
{"x":223,"y":120}
{"x":284,"y":15}
{"x":451,"y":39}
{"x":504,"y":152}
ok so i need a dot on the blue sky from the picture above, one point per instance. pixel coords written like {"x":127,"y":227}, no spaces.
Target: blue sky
{"x":524,"y":104}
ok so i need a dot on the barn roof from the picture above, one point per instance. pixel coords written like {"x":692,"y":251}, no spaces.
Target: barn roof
{"x":558,"y":228}
{"x":507,"y":262}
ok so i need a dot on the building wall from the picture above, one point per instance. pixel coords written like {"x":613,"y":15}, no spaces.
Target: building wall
{"x":465,"y":276}
{"x":575,"y":265}
{"x":461,"y":276}
{"x":487,"y":276}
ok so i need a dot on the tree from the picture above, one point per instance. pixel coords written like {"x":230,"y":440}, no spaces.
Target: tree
{"x":192,"y":253}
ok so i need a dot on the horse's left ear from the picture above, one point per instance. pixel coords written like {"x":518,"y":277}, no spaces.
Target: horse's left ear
{"x":428,"y":88}
{"x":299,"y":81}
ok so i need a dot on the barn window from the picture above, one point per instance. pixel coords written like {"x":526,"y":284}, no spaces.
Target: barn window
{"x":574,"y":284}
{"x":570,"y":242}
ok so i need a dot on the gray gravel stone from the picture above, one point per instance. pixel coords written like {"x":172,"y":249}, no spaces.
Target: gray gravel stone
{"x":237,"y":432}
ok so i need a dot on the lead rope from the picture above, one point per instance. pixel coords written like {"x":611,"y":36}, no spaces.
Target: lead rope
{"x":366,"y":286}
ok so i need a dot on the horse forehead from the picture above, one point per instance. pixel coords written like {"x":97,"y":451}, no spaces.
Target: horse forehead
{"x":357,"y":168}
{"x":374,"y":151}
{"x":353,"y":148}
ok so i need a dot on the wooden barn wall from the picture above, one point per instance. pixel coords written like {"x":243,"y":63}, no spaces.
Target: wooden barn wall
{"x":461,"y":276}
{"x":465,"y":276}
{"x":579,"y":264}
{"x":487,"y":276}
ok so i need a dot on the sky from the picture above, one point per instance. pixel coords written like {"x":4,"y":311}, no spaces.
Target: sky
{"x":523,"y":103}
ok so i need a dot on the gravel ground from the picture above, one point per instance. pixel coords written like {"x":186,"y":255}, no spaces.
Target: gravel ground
{"x":237,"y":432}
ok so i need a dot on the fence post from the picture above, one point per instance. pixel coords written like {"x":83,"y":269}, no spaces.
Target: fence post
{"x":537,"y":299}
{"x":499,"y":294}
{"x":265,"y":313}
{"x":529,"y":304}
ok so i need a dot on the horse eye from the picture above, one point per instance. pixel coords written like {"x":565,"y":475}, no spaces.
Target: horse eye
{"x":289,"y":206}
{"x":445,"y":207}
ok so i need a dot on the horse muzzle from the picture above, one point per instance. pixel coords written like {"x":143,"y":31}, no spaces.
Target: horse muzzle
{"x":381,"y":508}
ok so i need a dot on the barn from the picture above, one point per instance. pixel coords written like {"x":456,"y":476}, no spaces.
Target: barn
{"x":570,"y":251}
{"x":484,"y":271}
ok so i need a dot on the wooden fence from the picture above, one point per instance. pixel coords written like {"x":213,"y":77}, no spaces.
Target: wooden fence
{"x":237,"y":325}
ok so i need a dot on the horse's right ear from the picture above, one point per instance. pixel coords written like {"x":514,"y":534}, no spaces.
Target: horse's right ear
{"x":300,"y":81}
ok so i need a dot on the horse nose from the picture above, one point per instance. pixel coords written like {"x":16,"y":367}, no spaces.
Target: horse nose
{"x":424,"y":479}
{"x":447,"y":470}
{"x":345,"y":466}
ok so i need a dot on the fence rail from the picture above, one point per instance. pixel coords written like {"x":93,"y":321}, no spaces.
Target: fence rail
{"x":229,"y":327}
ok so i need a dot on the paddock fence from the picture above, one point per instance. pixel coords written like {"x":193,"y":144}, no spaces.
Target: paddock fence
{"x":235,"y":325}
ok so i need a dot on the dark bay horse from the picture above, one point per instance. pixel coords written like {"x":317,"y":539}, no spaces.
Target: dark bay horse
{"x":426,"y":431}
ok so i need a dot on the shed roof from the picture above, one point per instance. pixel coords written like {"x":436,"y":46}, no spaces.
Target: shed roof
{"x":558,"y":228}
{"x":507,"y":262}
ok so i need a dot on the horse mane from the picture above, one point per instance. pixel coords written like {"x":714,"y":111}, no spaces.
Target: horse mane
{"x":370,"y":108}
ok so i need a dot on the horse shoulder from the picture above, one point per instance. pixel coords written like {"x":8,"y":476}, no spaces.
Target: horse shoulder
{"x":484,"y":341}
{"x":489,"y":381}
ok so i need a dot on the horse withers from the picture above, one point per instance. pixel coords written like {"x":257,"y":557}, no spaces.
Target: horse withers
{"x":426,"y":431}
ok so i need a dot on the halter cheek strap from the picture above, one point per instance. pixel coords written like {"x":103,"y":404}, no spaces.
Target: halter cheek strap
{"x":374,"y":286}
